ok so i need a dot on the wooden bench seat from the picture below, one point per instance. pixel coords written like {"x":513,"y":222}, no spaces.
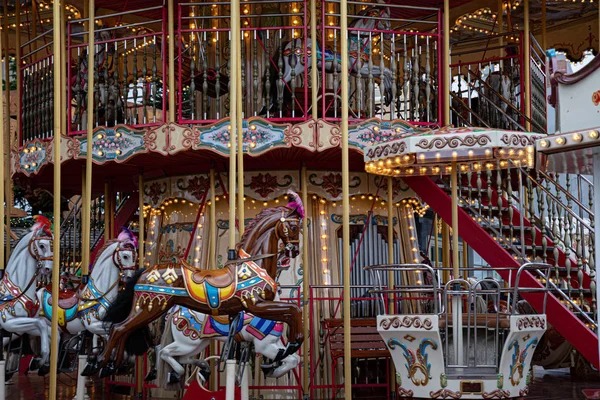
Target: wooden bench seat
{"x":482,"y":320}
{"x":365,"y":341}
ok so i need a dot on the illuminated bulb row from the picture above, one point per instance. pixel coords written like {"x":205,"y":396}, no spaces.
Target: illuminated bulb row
{"x":562,"y":140}
{"x":324,"y":245}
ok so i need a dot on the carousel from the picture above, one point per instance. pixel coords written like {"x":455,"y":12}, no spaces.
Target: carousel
{"x":298,"y":199}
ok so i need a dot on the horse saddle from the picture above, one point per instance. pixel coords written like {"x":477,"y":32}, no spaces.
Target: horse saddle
{"x":217,"y":278}
{"x":66,"y":298}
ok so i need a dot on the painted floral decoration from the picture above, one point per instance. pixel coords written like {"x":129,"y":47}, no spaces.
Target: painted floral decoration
{"x":596,"y":97}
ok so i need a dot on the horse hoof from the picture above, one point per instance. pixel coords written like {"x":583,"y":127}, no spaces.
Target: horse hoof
{"x":107,"y":371}
{"x":8,"y":377}
{"x":291,"y":348}
{"x":204,"y":371}
{"x":268,"y":369}
{"x":91,"y":368}
{"x":173,"y":378}
{"x":280,"y":355}
{"x":34,"y":364}
{"x":151,"y":375}
{"x":44,"y":370}
{"x":123,"y":370}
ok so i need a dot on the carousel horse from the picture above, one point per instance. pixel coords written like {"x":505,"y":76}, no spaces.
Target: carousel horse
{"x":241,"y":286}
{"x":188,"y":332}
{"x":359,"y":51}
{"x":505,"y":83}
{"x":85,"y":308}
{"x":109,"y":96}
{"x":31,"y":259}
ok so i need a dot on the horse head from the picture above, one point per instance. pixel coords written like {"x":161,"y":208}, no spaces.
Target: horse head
{"x":288,"y":230}
{"x":40,"y":245}
{"x":125,"y":255}
{"x":376,"y":17}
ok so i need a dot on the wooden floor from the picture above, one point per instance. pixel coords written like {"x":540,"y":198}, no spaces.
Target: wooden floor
{"x":548,"y":385}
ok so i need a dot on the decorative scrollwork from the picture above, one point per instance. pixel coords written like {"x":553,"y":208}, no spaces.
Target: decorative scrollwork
{"x":445,"y":394}
{"x":515,"y":139}
{"x":518,"y":360}
{"x":405,"y":392}
{"x":496,"y":394}
{"x":293,"y":137}
{"x":406,"y":322}
{"x":454,"y":141}
{"x":524,"y":392}
{"x":416,"y":363}
{"x":531,"y":322}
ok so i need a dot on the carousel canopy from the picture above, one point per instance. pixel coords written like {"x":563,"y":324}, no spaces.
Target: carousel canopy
{"x":433,"y":152}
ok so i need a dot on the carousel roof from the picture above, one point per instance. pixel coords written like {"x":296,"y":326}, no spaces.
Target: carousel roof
{"x":433,"y":152}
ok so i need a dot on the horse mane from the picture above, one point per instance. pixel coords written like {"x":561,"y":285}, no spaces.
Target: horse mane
{"x":260,"y":218}
{"x":104,"y":247}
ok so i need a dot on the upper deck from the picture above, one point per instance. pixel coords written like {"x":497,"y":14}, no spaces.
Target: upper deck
{"x":394,"y":71}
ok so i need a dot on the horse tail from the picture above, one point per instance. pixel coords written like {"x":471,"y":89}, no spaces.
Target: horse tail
{"x":162,"y":367}
{"x":139,"y":341}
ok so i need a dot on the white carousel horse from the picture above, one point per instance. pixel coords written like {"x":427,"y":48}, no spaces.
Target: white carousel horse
{"x":30,"y":260}
{"x":188,"y":333}
{"x":360,"y":49}
{"x":85,"y":308}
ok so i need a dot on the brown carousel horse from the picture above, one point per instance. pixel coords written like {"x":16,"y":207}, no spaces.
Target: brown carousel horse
{"x":241,"y":286}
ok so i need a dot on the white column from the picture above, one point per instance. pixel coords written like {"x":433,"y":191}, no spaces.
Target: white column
{"x":80,"y":394}
{"x":596,"y":230}
{"x":230,"y":380}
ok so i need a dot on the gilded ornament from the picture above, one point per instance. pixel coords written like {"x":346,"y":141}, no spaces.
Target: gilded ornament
{"x":443,"y":380}
{"x":153,"y":276}
{"x":169,"y":276}
{"x":500,"y":381}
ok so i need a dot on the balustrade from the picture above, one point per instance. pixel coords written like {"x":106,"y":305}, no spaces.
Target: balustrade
{"x":36,"y":69}
{"x":128,"y":64}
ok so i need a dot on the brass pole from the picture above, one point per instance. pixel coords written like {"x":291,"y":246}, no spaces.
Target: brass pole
{"x":465,"y":259}
{"x":436,"y":255}
{"x":63,"y":71}
{"x":346,"y":197}
{"x":34,"y":15}
{"x":139,"y":365}
{"x":57,"y":15}
{"x":233,"y":107}
{"x":446,"y":250}
{"x":527,"y":64}
{"x":454,"y":183}
{"x":390,"y":211}
{"x":314,"y":76}
{"x":87,"y":198}
{"x":171,"y":64}
{"x":141,"y":234}
{"x":107,"y":209}
{"x":305,"y":283}
{"x":6,"y":154}
{"x":500,"y":20}
{"x":2,"y":187}
{"x":212,"y":251}
{"x":544,"y":28}
{"x":446,"y":63}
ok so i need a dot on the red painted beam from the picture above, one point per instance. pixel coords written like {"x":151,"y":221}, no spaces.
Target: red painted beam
{"x":565,"y":322}
{"x":123,"y":216}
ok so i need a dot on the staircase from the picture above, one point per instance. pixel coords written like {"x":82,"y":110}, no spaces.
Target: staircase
{"x":514,"y":216}
{"x":71,"y":239}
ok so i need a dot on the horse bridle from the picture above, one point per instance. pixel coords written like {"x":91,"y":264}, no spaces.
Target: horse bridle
{"x":34,"y":252}
{"x":119,"y":263}
{"x":286,"y":232}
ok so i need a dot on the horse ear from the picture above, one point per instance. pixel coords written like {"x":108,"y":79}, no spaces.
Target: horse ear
{"x":242,"y":253}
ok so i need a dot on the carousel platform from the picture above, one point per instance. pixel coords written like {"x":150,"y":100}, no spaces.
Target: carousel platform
{"x":547,"y":385}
